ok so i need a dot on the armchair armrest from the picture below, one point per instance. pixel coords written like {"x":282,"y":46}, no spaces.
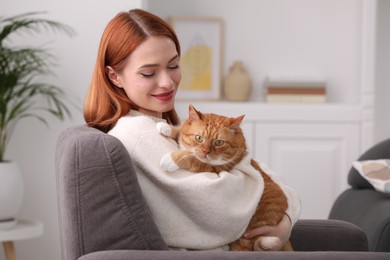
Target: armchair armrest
{"x":328,"y":235}
{"x":226,"y":255}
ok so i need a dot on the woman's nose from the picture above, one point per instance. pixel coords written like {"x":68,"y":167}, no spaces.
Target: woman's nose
{"x":165,"y":80}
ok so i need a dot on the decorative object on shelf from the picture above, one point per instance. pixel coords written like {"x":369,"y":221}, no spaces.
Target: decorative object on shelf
{"x":237,"y":84}
{"x":295,"y":89}
{"x":20,"y":94}
{"x":201,"y":40}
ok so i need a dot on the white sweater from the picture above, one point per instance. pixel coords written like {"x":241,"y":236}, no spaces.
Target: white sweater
{"x":192,"y":211}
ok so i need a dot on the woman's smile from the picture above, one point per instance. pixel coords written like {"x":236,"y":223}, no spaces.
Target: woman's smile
{"x":165,"y":96}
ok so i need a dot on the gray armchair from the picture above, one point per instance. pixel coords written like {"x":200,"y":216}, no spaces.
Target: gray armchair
{"x":102,"y":213}
{"x":365,"y":207}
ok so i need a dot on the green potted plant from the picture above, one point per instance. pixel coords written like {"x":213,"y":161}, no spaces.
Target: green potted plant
{"x":24,"y":94}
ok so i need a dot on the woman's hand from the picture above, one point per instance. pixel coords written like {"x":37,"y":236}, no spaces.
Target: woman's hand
{"x":282,"y":231}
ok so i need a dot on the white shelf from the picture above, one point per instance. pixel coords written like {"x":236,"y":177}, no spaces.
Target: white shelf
{"x":277,"y":112}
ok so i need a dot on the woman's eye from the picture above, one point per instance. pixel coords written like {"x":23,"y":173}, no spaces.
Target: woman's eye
{"x":219,"y":142}
{"x":173,"y":67}
{"x":198,"y":138}
{"x":147,"y":74}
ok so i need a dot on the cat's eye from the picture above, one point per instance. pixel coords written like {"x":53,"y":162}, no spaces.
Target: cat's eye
{"x":219,"y":142}
{"x":198,"y":138}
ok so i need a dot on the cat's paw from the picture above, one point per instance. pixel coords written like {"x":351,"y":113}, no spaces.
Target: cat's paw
{"x":168,"y":164}
{"x":267,"y":244}
{"x":164,"y":129}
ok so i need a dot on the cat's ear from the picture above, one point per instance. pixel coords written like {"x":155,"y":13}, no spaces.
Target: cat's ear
{"x":236,"y":122}
{"x":193,"y":114}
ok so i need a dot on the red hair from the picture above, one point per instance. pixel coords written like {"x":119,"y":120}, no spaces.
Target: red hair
{"x":105,"y":103}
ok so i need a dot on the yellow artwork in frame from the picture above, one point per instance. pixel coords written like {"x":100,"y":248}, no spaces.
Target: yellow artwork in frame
{"x":200,"y":40}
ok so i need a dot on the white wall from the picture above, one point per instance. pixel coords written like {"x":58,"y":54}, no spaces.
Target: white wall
{"x":382,"y":106}
{"x":278,"y":36}
{"x":33,"y":145}
{"x":304,"y":36}
{"x":319,"y":36}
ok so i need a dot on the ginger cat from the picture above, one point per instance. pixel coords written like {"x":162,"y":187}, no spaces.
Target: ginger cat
{"x":215,"y":143}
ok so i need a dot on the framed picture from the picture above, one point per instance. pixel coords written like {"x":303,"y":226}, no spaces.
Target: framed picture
{"x":201,"y":57}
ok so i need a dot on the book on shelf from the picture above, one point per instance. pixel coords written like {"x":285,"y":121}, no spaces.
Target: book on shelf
{"x":295,"y":90}
{"x":295,"y":98}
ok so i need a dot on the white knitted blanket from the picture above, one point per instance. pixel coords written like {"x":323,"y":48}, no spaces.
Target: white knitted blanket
{"x":192,"y":211}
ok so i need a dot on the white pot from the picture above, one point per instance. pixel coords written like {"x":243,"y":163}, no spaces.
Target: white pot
{"x":11,"y":193}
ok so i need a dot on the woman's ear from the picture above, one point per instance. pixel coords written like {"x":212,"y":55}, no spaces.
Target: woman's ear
{"x":113,"y":76}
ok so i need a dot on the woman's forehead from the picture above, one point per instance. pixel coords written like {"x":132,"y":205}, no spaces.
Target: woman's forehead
{"x":154,"y":50}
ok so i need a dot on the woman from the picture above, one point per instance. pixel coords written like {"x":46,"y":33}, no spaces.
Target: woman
{"x":134,"y":84}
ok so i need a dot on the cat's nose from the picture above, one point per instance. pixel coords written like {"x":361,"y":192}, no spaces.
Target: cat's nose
{"x":206,"y":151}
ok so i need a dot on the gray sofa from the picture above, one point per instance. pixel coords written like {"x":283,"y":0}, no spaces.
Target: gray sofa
{"x":102,"y":213}
{"x":365,"y":207}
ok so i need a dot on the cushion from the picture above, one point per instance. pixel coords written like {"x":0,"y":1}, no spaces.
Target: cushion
{"x":379,"y":151}
{"x":376,"y":172}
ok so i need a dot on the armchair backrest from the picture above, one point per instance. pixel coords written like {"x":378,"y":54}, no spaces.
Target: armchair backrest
{"x":365,"y":207}
{"x":100,"y":203}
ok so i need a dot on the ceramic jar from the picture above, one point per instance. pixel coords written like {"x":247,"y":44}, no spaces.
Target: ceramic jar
{"x":237,"y":84}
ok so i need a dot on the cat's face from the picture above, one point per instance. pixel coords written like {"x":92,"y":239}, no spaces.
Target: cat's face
{"x":213,"y":139}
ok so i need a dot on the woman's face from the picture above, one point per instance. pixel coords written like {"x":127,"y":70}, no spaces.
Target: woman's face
{"x":151,"y":76}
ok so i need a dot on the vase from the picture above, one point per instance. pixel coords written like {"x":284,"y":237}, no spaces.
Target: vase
{"x":237,"y":84}
{"x":11,"y":193}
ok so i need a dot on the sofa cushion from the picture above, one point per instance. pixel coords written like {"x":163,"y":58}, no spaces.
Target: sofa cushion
{"x":378,"y":151}
{"x":376,"y":172}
